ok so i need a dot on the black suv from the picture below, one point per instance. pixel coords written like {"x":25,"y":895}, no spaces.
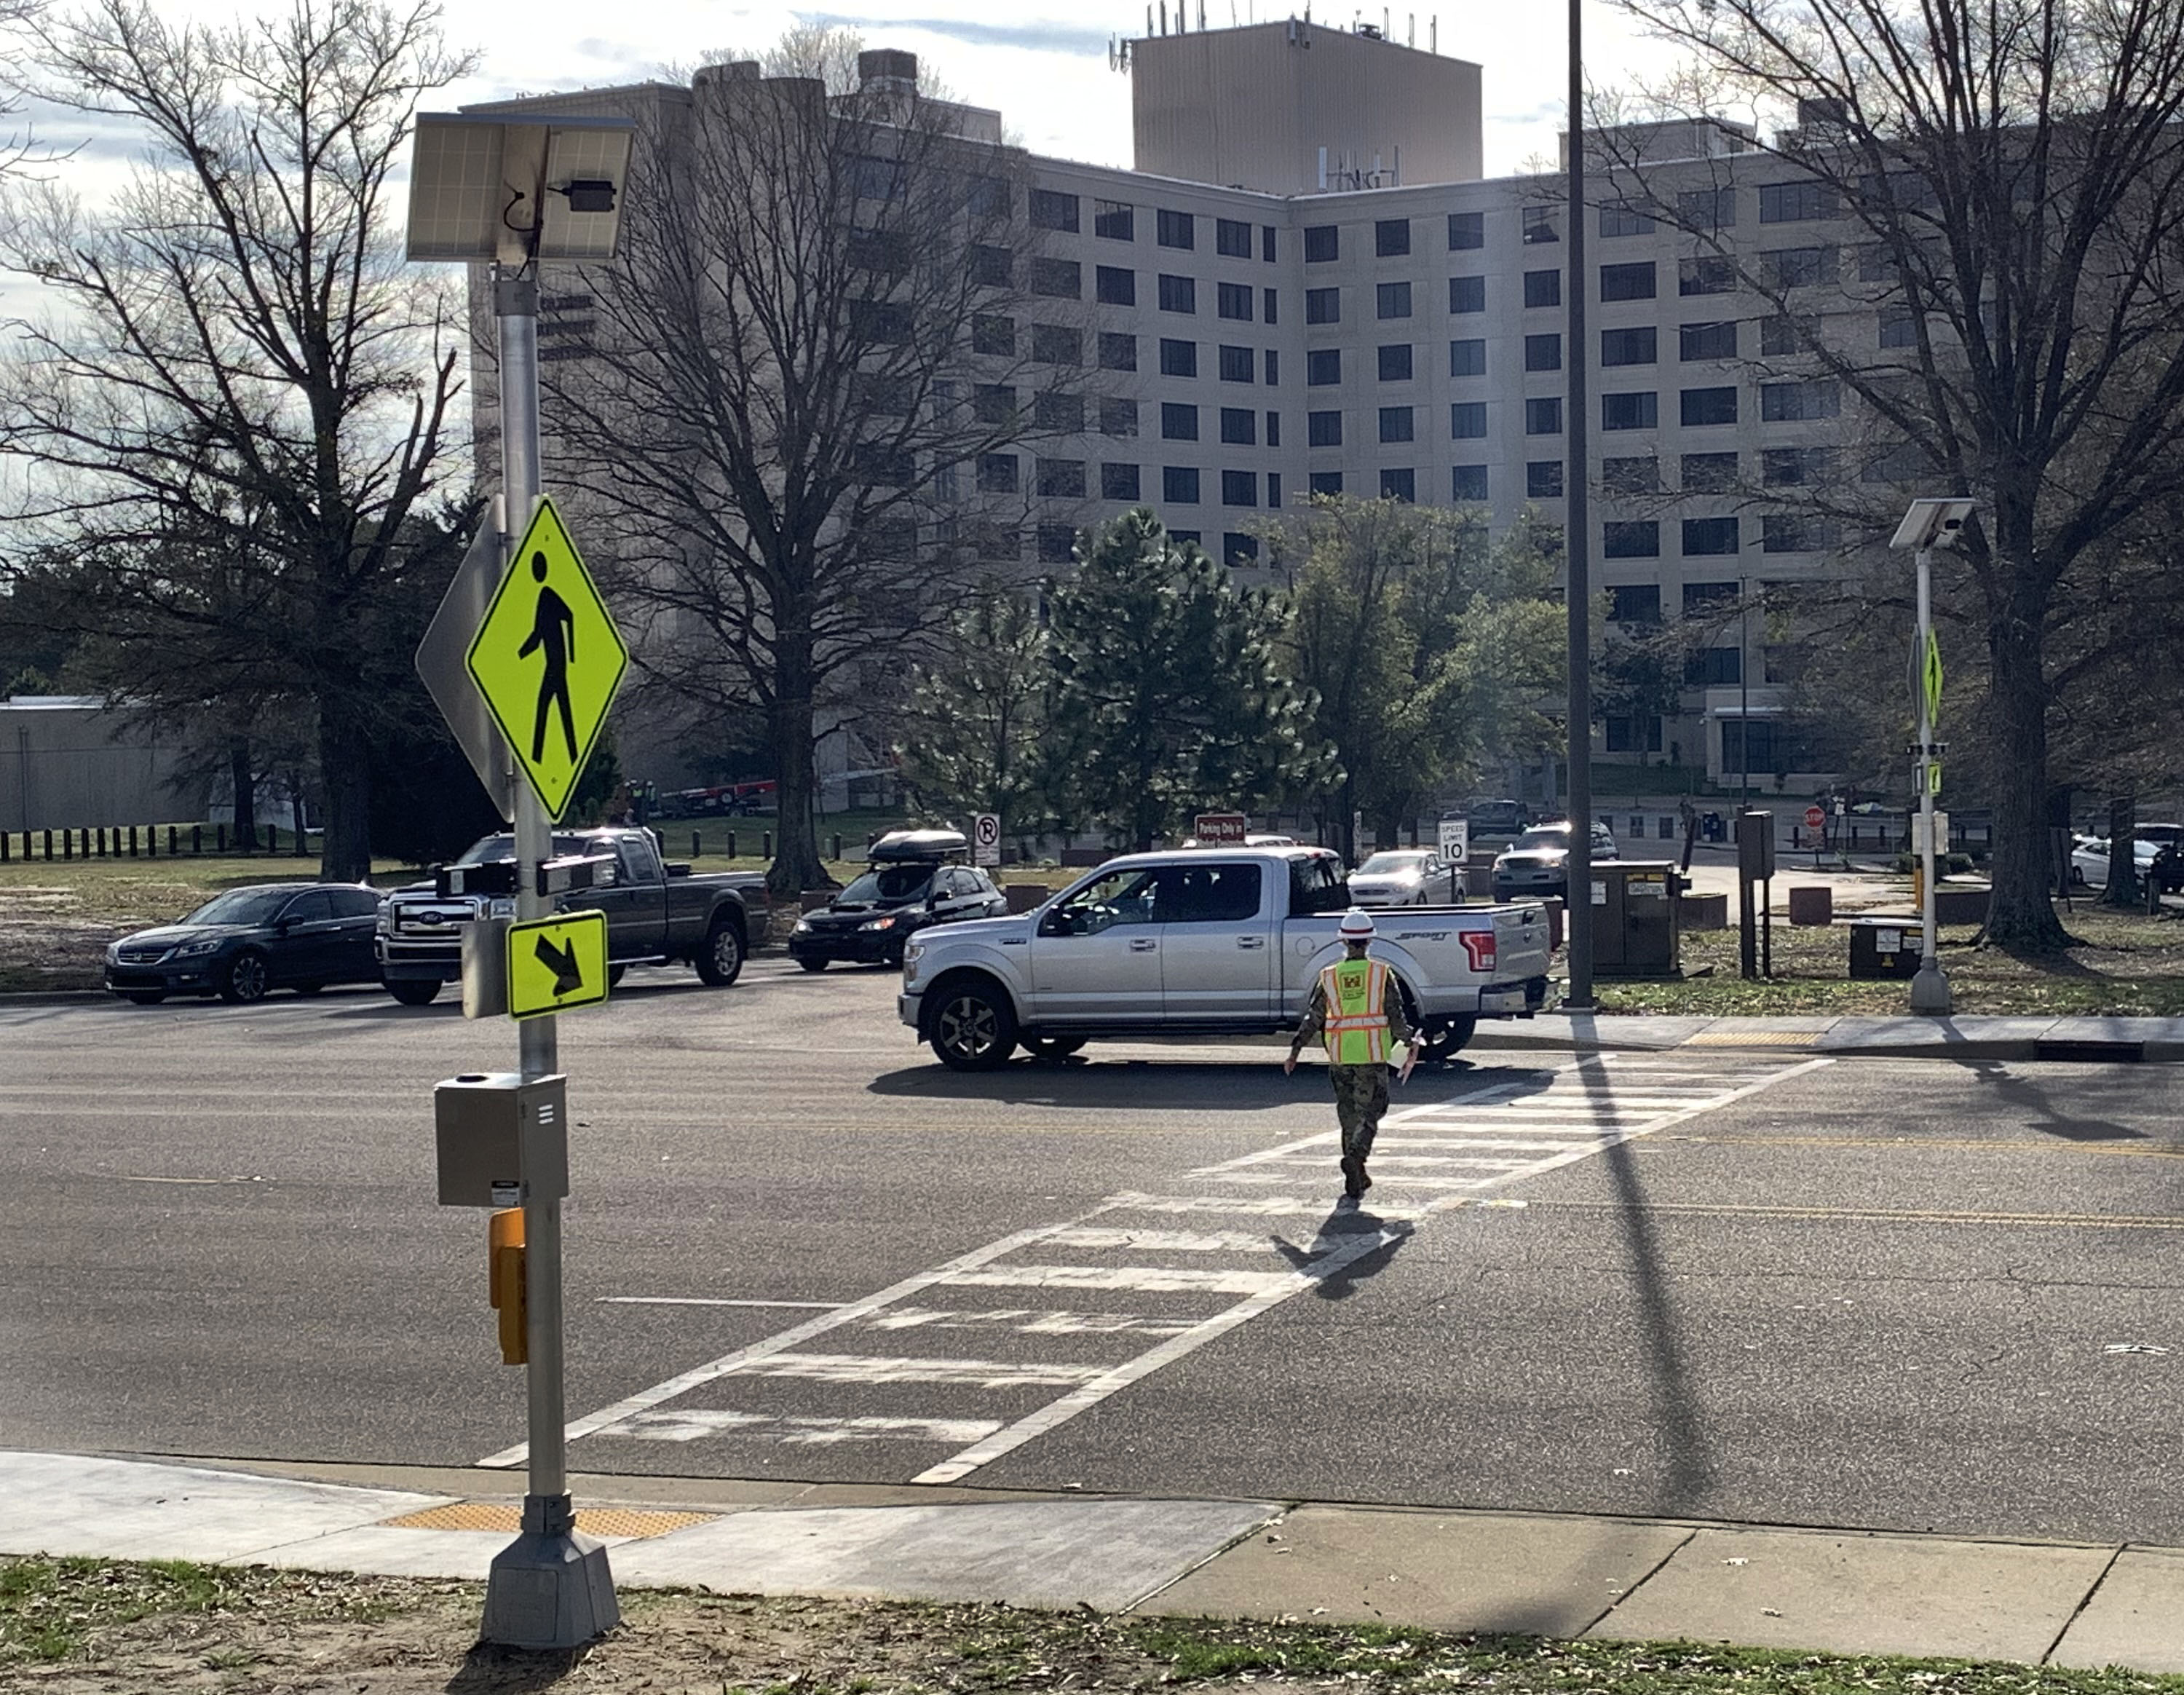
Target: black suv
{"x":914,"y":880}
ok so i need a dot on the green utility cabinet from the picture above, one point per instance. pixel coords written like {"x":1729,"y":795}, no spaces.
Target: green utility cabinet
{"x":1636,"y":917}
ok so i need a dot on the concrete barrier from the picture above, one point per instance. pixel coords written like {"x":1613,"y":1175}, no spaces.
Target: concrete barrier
{"x":1813,"y":905}
{"x":1705,"y":912}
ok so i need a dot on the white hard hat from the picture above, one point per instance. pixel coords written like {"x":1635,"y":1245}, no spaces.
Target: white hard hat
{"x":1356,"y":925}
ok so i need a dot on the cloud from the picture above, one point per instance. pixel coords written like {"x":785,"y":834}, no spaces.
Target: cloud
{"x":1032,"y":37}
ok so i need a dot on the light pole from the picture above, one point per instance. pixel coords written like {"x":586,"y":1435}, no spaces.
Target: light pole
{"x":1577,"y":886}
{"x":1743,"y":695}
{"x":1927,"y":525}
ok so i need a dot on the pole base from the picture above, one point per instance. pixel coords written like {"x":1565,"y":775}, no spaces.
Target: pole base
{"x":1930,"y":991}
{"x":550,"y":1589}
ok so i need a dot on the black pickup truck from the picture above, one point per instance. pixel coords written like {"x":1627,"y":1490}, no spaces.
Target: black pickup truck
{"x":656,"y":914}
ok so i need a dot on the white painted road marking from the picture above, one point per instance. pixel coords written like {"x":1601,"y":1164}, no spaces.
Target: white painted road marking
{"x":982,"y":1373}
{"x":693,"y":1423}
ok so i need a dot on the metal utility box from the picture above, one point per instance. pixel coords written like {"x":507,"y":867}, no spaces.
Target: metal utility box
{"x":502,"y":1141}
{"x":1636,"y":917}
{"x":1883,"y":947}
{"x":1755,"y":845}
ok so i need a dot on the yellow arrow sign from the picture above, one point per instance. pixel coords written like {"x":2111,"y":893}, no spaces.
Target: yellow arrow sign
{"x":548,"y":659}
{"x":556,"y":963}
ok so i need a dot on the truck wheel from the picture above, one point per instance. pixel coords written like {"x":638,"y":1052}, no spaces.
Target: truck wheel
{"x":720,"y":961}
{"x":247,"y":979}
{"x":1052,"y":1047}
{"x":1445,"y":1040}
{"x":415,"y":992}
{"x":974,"y":1028}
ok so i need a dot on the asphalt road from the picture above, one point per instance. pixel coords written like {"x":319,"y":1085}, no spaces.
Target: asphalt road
{"x":1751,"y":1286}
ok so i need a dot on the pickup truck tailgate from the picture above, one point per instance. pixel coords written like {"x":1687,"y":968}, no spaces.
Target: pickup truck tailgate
{"x":1520,"y":943}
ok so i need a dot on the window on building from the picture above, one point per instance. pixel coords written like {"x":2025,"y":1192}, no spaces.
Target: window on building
{"x":1179,"y":485}
{"x":1323,"y":429}
{"x":1322,"y":243}
{"x":1624,"y":221}
{"x":1467,"y":482}
{"x":1710,"y":599}
{"x":1707,"y":341}
{"x":1118,"y":482}
{"x":1323,"y":305}
{"x":1627,"y":282}
{"x":1781,"y":403}
{"x":1178,"y":421}
{"x":1116,"y":220}
{"x":1794,"y":467}
{"x":1543,"y":479}
{"x":1397,"y":425}
{"x":1118,"y":417}
{"x":1186,"y":538}
{"x":880,"y":464}
{"x":1639,"y":732}
{"x":1240,"y":427}
{"x":1715,"y":668}
{"x":1115,"y":287}
{"x":1240,"y":488}
{"x":1801,"y":267}
{"x":993,"y":403}
{"x":1053,"y":211}
{"x":1273,"y":434}
{"x":1630,"y":538}
{"x":989,"y":266}
{"x":1710,"y":473}
{"x":1399,"y":485}
{"x":1058,"y":415}
{"x":876,"y":178}
{"x":1393,"y":299}
{"x":1273,"y":368}
{"x":1175,"y":229}
{"x":1231,"y":239}
{"x":1706,"y":209}
{"x":1391,"y":237}
{"x":1322,"y":366}
{"x":1236,"y":365}
{"x":1053,"y":344}
{"x":1794,"y":532}
{"x":1267,"y":304}
{"x":1238,"y":549}
{"x":1636,"y":476}
{"x":1468,"y":358}
{"x":1267,"y":249}
{"x":1705,"y":406}
{"x":1634,"y":603}
{"x":1543,"y":288}
{"x":1639,"y":409}
{"x":1703,"y":537}
{"x":1795,"y":203}
{"x":1179,"y":359}
{"x":1543,"y":415}
{"x":1117,"y":352}
{"x":1468,"y":294}
{"x":992,"y":334}
{"x":1466,"y":231}
{"x":1637,"y":346}
{"x":1467,"y":420}
{"x":1709,"y":274}
{"x":1542,"y":224}
{"x":1233,"y":300}
{"x":1781,"y":337}
{"x":1543,"y":352}
{"x":1057,"y":543}
{"x":1899,"y":327}
{"x":1061,"y":479}
{"x":1396,"y":362}
{"x":1177,"y":293}
{"x":997,"y":473}
{"x":986,"y":196}
{"x":1324,"y":482}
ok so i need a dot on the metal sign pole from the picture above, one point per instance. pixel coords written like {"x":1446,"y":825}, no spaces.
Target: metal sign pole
{"x":549,"y":1588}
{"x":1577,"y":884}
{"x":1930,"y":988}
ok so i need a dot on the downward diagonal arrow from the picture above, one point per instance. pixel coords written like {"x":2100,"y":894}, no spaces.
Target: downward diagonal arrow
{"x":562,"y":962}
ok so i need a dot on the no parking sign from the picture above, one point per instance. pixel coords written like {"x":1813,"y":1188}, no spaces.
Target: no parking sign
{"x":986,"y":840}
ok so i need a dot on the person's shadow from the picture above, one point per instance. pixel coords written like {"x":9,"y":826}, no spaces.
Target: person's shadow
{"x":1353,"y":1243}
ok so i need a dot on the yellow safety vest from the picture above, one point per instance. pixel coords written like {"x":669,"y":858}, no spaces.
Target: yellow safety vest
{"x":1356,"y":1029}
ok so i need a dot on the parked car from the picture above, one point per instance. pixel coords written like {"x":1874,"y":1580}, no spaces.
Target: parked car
{"x":1222,"y":941}
{"x":1537,"y":863}
{"x":656,"y":912}
{"x":2089,"y":858}
{"x":242,"y":943}
{"x":909,"y":884}
{"x":1404,"y":877}
{"x":1495,"y":817}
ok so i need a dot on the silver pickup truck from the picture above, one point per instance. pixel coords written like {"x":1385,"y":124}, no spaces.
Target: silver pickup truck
{"x":1204,"y":942}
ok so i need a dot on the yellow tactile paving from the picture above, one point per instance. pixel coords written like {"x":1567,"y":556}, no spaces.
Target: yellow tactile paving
{"x":1752,"y":1039}
{"x":632,"y":1522}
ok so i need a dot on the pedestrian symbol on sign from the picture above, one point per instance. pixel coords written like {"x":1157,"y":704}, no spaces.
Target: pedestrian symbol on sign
{"x":553,"y":631}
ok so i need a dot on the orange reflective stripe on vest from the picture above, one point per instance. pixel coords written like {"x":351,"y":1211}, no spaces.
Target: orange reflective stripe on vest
{"x":1356,"y":1029}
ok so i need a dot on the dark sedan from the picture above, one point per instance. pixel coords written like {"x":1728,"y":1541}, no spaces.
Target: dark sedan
{"x":869,"y":921}
{"x":242,"y":943}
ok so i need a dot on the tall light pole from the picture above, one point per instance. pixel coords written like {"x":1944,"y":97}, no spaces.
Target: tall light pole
{"x":1576,"y":542}
{"x":1743,"y":695}
{"x":1927,"y":525}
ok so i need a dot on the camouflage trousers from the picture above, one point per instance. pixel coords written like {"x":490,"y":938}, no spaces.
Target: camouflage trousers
{"x":1361,"y":1096}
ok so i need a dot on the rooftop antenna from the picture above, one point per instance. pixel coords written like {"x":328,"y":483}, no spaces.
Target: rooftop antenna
{"x":1163,"y":6}
{"x":1410,"y":30}
{"x":1202,"y":16}
{"x":1432,"y":32}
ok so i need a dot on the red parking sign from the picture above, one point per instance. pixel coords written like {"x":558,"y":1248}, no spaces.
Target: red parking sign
{"x":1815,"y":819}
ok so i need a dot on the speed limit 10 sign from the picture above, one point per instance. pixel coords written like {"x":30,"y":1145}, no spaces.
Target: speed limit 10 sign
{"x":986,"y":840}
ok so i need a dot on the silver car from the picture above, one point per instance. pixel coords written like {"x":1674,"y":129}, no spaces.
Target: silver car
{"x":1537,"y":863}
{"x":1404,"y":877}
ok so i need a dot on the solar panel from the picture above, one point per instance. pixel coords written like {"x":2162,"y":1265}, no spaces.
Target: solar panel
{"x":467,"y":172}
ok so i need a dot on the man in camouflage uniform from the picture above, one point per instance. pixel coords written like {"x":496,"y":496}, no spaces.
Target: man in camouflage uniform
{"x":1356,"y":1009}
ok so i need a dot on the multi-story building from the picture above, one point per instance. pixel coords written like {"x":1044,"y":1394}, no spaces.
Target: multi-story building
{"x":1306,"y":287}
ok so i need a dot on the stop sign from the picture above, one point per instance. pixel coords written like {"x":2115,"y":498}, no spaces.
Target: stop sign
{"x":1815,"y":819}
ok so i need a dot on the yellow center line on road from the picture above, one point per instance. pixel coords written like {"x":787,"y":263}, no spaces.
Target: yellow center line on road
{"x":1875,"y":1215}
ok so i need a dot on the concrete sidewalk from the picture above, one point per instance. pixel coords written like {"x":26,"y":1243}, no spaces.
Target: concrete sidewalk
{"x":1966,"y":1037}
{"x":1844,"y":1592}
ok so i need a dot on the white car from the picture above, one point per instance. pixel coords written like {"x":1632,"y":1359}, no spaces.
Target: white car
{"x":1404,"y":877}
{"x":2089,"y":856}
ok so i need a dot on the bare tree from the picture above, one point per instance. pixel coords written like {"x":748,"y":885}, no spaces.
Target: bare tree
{"x":236,"y":420}
{"x":806,"y":376}
{"x":2013,"y":172}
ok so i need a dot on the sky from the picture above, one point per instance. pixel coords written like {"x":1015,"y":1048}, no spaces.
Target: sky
{"x":1043,"y":64}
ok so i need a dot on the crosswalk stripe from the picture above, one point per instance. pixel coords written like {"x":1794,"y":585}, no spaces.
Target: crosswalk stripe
{"x":981,"y":1374}
{"x":1160,"y":1241}
{"x":1031,"y":1321}
{"x":693,"y":1423}
{"x":1154,"y":1278}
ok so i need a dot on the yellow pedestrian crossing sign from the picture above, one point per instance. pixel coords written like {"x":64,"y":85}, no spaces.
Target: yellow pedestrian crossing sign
{"x":548,"y":659}
{"x":556,"y":963}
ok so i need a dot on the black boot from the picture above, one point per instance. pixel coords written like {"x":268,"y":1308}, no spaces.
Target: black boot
{"x":1354,"y":1180}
